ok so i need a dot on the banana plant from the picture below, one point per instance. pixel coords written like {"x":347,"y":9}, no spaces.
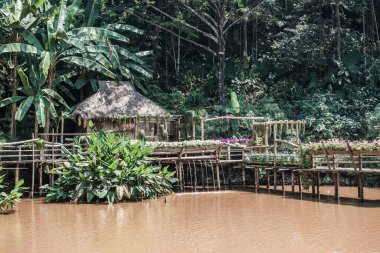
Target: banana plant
{"x":35,"y":93}
{"x":18,"y":18}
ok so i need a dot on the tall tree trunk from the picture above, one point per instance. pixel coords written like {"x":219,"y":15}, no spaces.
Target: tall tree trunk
{"x":364,"y":44}
{"x":375,"y":24}
{"x":50,"y":83}
{"x":245,"y":43}
{"x":338,"y":32}
{"x":221,"y":69}
{"x":13,"y":123}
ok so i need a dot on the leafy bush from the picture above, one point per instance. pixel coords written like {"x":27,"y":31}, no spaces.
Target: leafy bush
{"x":8,"y":201}
{"x":111,"y":169}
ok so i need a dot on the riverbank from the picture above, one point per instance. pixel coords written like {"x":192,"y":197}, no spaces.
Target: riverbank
{"x":226,"y":221}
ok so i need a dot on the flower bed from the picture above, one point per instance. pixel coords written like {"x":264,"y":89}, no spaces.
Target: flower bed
{"x":341,"y":145}
{"x":285,"y":159}
{"x":182,"y":144}
{"x":233,"y":140}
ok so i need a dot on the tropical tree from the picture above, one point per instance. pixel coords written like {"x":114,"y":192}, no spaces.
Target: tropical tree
{"x":61,"y":42}
{"x":18,"y":18}
{"x":35,"y":93}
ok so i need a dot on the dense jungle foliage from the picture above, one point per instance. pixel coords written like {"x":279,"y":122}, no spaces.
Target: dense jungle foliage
{"x":316,"y":60}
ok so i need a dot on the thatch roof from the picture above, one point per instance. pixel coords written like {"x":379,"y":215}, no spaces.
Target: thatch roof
{"x":115,"y":99}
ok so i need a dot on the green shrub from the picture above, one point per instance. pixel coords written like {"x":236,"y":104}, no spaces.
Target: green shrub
{"x":112,"y":169}
{"x":8,"y":201}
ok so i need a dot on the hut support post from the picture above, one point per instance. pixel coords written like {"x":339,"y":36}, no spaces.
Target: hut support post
{"x":274,"y":179}
{"x":360,"y":180}
{"x":283,"y":180}
{"x":313,"y":183}
{"x":336,"y":185}
{"x":229,"y":166}
{"x":318,"y":182}
{"x":300,"y":182}
{"x":243,"y":174}
{"x":192,"y":129}
{"x":268,"y":179}
{"x":292,"y":180}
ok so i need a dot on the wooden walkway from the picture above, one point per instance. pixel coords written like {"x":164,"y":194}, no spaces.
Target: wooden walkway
{"x":200,"y":167}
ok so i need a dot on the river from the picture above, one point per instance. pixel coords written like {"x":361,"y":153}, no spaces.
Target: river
{"x":226,"y":221}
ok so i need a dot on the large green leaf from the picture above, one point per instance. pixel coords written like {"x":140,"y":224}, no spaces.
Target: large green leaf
{"x":61,"y":17}
{"x":89,"y":65}
{"x":25,"y":82}
{"x":45,"y":63}
{"x":91,"y":12}
{"x":23,"y":108}
{"x":50,"y":106}
{"x":129,"y":55}
{"x":31,"y":39}
{"x":62,"y":78}
{"x":123,"y":27}
{"x":100,"y":32}
{"x":10,"y":100}
{"x":40,"y":111}
{"x":73,"y":10}
{"x":56,"y":96}
{"x":18,"y":48}
{"x":139,"y":69}
{"x":18,"y":10}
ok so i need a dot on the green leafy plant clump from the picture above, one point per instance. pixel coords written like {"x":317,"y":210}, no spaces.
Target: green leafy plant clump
{"x":8,"y":200}
{"x":111,"y":169}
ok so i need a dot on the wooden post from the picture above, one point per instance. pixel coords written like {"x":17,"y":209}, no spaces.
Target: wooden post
{"x":336,"y":184}
{"x":33,"y":168}
{"x":257,"y":172}
{"x":243,"y":174}
{"x":268,"y":179}
{"x":218,"y":152}
{"x":192,"y":129}
{"x":202,"y":130}
{"x":195,"y":177}
{"x":300,"y":182}
{"x":254,"y":178}
{"x":360,"y":180}
{"x":243,"y":169}
{"x":274,"y":179}
{"x":179,"y":128}
{"x":203,"y":176}
{"x":62,"y":127}
{"x":274,"y":145}
{"x":136,"y":124}
{"x":229,"y":166}
{"x":283,"y":180}
{"x":318,"y":182}
{"x":180,"y":169}
{"x":313,"y":183}
{"x":17,"y":172}
{"x":292,"y":180}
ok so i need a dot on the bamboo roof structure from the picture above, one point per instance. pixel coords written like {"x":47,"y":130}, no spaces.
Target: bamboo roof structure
{"x":116,"y":99}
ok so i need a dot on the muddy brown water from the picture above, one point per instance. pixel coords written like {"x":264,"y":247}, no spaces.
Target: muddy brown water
{"x":226,"y":221}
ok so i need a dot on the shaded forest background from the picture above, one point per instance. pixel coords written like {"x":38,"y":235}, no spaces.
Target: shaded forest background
{"x":317,"y":60}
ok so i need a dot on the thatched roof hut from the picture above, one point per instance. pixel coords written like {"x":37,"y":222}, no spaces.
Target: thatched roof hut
{"x":117,"y":99}
{"x":117,"y":106}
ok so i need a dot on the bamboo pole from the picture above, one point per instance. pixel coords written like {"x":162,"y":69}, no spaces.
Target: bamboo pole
{"x":17,"y":172}
{"x":275,"y":179}
{"x":33,"y":169}
{"x":360,"y":180}
{"x":202,"y":130}
{"x":313,"y":183}
{"x":268,"y":179}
